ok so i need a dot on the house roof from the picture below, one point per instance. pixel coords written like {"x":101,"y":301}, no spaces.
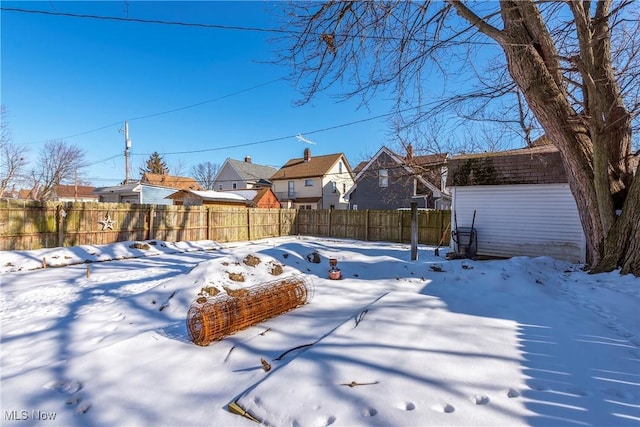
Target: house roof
{"x":211,"y":195}
{"x":250,"y":171}
{"x":408,"y":163}
{"x":539,"y":164}
{"x":316,"y":166}
{"x":125,"y":188}
{"x":160,"y":180}
{"x":69,"y":191}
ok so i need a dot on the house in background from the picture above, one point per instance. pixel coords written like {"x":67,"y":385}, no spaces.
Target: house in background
{"x":258,"y":198}
{"x":522,"y":202}
{"x":319,"y":182}
{"x":242,"y":175}
{"x":61,"y":193}
{"x":151,"y":189}
{"x":74,"y":193}
{"x":392,"y":181}
{"x":170,"y":181}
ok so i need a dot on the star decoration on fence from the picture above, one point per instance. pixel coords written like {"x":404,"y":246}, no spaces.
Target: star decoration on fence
{"x":107,"y":223}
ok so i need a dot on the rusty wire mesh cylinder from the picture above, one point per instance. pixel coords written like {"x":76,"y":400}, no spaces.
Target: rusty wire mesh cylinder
{"x":212,"y":318}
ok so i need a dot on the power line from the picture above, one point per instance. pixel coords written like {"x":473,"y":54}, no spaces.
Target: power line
{"x":173,"y":110}
{"x":281,"y":138}
{"x":148,"y":21}
{"x":209,"y":26}
{"x":208,"y":100}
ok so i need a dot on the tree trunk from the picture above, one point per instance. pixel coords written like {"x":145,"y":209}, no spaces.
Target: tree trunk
{"x":622,"y":246}
{"x":594,"y":143}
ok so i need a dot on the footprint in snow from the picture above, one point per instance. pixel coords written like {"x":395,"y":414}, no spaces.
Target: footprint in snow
{"x":405,"y":406}
{"x":578,"y":391}
{"x":480,"y":399}
{"x":443,"y":407}
{"x":73,"y":400}
{"x":511,"y":393}
{"x":69,"y":387}
{"x":325,"y":421}
{"x":83,"y":408}
{"x":368,"y":412}
{"x":539,"y":386}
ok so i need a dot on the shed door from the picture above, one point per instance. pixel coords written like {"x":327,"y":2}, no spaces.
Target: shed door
{"x":522,"y":220}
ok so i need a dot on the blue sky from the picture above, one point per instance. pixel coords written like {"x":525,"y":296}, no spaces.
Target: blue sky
{"x":64,"y":76}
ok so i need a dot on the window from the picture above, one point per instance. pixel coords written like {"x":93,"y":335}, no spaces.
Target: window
{"x":308,"y":182}
{"x":383,"y":178}
{"x":340,"y":167}
{"x":354,"y":207}
{"x":334,"y":187}
{"x":344,"y":188}
{"x":220,"y":187}
{"x":234,"y":185}
{"x":291,"y":191}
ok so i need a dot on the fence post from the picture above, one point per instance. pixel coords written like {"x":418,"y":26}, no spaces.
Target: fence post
{"x":60,"y":214}
{"x":207,"y":223}
{"x":414,"y":231}
{"x":152,"y":214}
{"x":366,"y":225}
{"x":249,"y":224}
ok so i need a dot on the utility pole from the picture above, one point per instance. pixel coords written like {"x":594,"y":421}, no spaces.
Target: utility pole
{"x":127,"y":145}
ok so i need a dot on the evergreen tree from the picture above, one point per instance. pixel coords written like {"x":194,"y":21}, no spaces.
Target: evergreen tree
{"x":155,"y":164}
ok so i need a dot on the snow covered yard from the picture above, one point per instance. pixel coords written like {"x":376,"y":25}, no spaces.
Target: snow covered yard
{"x":394,"y":343}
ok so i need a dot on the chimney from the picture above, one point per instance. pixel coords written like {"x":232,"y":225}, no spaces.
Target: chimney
{"x":409,"y":153}
{"x":307,"y":155}
{"x":247,"y":159}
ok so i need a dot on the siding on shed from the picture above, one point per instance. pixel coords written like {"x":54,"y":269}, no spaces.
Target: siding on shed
{"x":522,"y":220}
{"x":156,"y":195}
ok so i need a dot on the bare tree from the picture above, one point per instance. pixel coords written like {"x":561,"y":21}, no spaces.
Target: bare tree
{"x":58,"y":163}
{"x":178,"y":167}
{"x":205,"y":173}
{"x":12,"y":157}
{"x":574,"y":63}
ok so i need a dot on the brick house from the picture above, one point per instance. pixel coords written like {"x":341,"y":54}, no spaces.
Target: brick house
{"x":254,"y":198}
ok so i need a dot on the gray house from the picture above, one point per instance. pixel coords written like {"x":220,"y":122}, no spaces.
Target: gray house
{"x":135,"y":193}
{"x":242,"y":175}
{"x":151,"y":189}
{"x":392,"y":181}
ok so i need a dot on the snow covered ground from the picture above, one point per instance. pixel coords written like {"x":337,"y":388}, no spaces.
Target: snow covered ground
{"x":98,"y":338}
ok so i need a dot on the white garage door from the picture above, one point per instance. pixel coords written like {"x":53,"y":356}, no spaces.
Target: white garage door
{"x":517,"y":220}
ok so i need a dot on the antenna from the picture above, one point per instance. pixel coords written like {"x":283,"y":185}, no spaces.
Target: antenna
{"x":303,"y":139}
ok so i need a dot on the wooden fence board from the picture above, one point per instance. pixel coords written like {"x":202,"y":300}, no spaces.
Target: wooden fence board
{"x":34,"y":225}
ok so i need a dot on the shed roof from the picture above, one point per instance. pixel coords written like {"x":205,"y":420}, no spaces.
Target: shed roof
{"x":539,"y":164}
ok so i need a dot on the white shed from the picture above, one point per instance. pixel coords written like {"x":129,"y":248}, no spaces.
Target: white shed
{"x":522,"y":220}
{"x":522,"y":201}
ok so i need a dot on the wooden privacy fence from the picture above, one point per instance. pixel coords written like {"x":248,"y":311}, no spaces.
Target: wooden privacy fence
{"x":26,"y":225}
